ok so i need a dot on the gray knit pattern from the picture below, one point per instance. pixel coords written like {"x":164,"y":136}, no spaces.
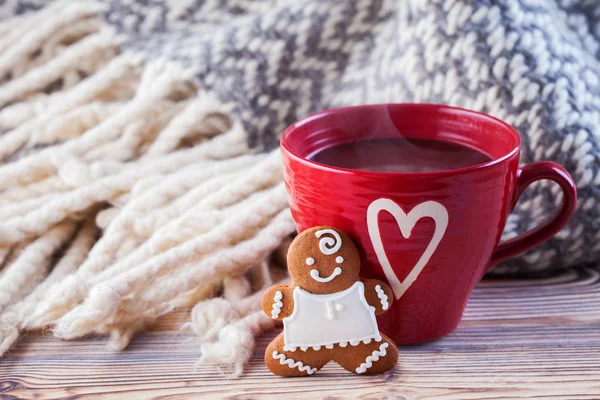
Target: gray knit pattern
{"x":533,"y":63}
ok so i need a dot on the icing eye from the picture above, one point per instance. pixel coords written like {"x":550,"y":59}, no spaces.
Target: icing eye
{"x":339,"y":259}
{"x":310,"y":261}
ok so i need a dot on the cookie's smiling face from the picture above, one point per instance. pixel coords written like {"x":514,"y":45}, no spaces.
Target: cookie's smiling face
{"x":323,"y":260}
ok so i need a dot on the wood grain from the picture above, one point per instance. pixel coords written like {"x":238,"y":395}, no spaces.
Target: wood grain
{"x":518,"y":339}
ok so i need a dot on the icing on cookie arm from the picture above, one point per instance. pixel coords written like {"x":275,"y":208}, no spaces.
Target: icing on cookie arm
{"x":379,"y":295}
{"x":278,"y":302}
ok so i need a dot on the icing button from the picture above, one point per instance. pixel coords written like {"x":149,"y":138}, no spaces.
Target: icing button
{"x":283,"y":360}
{"x":339,"y":307}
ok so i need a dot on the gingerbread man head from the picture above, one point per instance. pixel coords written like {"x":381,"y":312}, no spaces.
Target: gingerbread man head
{"x":323,"y":260}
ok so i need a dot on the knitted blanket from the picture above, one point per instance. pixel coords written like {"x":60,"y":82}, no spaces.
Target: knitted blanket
{"x":138,"y":122}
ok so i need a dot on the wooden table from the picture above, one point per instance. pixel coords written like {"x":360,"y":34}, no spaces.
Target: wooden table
{"x":518,"y":339}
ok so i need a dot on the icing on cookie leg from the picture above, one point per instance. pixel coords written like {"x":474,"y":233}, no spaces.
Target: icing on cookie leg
{"x":373,"y":357}
{"x":293,"y":364}
{"x":285,"y":362}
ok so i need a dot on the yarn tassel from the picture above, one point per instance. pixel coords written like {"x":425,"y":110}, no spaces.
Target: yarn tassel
{"x":235,"y":344}
{"x":146,"y":183}
{"x":15,"y":318}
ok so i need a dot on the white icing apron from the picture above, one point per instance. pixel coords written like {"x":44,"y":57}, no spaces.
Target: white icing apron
{"x":327,"y":319}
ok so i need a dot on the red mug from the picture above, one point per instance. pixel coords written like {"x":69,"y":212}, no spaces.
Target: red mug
{"x":431,"y":235}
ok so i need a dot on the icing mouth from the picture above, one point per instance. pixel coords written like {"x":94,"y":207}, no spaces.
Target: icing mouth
{"x":315,"y":275}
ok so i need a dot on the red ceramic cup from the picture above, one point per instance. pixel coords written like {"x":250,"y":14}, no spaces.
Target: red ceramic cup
{"x":431,"y":235}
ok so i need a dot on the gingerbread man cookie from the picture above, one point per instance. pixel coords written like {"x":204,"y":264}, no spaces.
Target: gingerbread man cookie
{"x":328,"y":312}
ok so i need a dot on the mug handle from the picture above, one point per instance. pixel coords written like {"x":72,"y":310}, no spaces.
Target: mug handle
{"x":525,"y":177}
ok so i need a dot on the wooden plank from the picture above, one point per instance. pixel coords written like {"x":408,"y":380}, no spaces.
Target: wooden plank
{"x":518,"y":339}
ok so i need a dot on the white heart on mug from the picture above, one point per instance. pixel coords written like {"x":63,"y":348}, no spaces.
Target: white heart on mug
{"x":406,"y":223}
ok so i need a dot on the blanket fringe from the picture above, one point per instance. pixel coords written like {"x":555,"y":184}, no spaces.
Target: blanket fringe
{"x":126,"y":192}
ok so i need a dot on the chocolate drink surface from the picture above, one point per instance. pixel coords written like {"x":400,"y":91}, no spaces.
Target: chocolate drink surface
{"x":400,"y":155}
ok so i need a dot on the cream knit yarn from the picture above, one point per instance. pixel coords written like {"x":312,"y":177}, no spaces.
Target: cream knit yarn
{"x":127,"y":193}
